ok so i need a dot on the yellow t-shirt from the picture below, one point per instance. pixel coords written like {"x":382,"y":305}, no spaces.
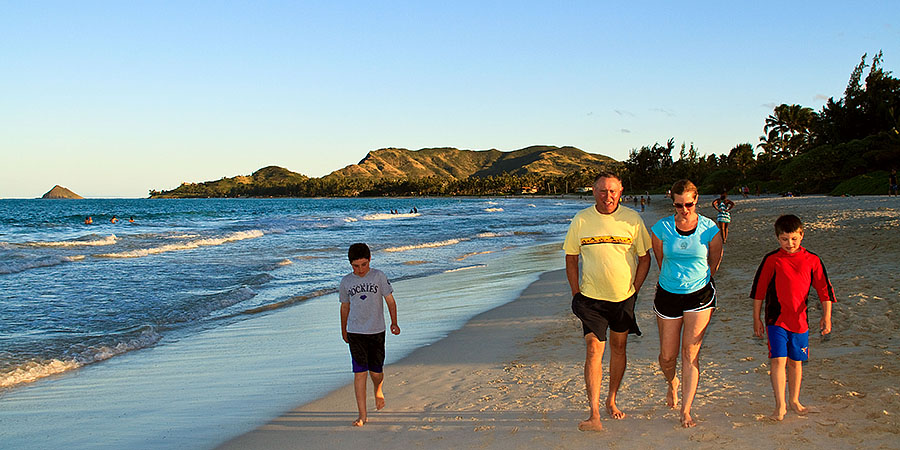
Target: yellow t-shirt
{"x":609,"y":245}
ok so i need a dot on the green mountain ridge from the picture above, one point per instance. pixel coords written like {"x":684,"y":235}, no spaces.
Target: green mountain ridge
{"x":458,"y":164}
{"x":402,"y":164}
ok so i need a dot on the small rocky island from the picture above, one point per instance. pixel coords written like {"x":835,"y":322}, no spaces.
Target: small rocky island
{"x":60,"y":192}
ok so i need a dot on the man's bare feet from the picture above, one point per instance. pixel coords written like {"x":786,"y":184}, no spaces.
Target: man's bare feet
{"x":614,"y":412}
{"x":672,"y":394}
{"x":379,"y":402}
{"x":799,"y":409}
{"x":592,"y":424}
{"x":360,"y":422}
{"x":687,"y":421}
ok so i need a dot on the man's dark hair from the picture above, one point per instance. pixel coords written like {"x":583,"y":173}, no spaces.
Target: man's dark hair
{"x":788,"y":223}
{"x":359,"y":251}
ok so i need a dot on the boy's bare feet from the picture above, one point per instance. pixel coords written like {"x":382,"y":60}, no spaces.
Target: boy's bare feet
{"x":592,"y":424}
{"x":379,"y":402}
{"x":613,"y":411}
{"x":687,"y":421}
{"x":672,"y":394}
{"x":359,"y":422}
{"x":799,"y":409}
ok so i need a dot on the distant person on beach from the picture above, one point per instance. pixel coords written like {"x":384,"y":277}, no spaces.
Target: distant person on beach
{"x":614,"y":245}
{"x":88,"y":221}
{"x":642,"y":203}
{"x":362,"y":324}
{"x":723,"y":214}
{"x":688,"y":250}
{"x":892,"y":182}
{"x":783,"y":281}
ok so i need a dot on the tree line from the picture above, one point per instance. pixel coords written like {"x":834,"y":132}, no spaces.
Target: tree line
{"x":801,"y":150}
{"x":832,"y":150}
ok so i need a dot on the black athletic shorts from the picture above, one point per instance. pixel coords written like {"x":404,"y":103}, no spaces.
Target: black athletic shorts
{"x":668,"y":305}
{"x":367,"y":352}
{"x":598,"y":315}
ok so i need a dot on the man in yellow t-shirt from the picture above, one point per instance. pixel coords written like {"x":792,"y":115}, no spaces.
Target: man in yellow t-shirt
{"x":614,"y":247}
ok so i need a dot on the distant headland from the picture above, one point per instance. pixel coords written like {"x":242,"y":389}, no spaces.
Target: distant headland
{"x":61,"y":192}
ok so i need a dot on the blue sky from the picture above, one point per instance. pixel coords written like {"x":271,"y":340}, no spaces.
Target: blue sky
{"x":112,"y":99}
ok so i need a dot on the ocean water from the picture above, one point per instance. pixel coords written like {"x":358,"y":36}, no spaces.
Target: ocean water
{"x":138,"y":331}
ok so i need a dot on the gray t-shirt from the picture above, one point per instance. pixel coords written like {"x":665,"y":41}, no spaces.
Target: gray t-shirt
{"x":366,"y":298}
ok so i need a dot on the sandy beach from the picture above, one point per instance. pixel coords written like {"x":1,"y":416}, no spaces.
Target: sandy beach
{"x":513,"y":377}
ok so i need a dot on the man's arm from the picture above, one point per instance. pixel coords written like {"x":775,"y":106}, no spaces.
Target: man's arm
{"x":345,"y":312}
{"x":643,"y":268}
{"x":392,"y":310}
{"x":572,"y":273}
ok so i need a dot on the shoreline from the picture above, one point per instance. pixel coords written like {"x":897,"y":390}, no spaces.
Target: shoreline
{"x":512,"y":377}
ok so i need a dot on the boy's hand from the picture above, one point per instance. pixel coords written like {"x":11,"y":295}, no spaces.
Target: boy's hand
{"x":758,"y":328}
{"x":825,"y":325}
{"x":395,"y":329}
{"x":344,"y":335}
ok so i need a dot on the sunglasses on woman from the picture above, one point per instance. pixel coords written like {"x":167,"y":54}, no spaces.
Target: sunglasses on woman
{"x":683,"y":205}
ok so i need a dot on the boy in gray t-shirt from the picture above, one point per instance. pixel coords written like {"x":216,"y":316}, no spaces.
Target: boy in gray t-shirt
{"x":362,"y":324}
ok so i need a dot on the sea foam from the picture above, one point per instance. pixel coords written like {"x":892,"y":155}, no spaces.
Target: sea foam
{"x":189,"y":245}
{"x":35,"y":370}
{"x":108,"y":240}
{"x":425,"y":245}
{"x":385,"y":216}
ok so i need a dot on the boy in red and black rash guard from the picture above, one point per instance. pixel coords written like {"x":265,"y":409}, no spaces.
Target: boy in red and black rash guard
{"x":783,"y":280}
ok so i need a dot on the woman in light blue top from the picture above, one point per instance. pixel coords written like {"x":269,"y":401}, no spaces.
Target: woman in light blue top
{"x":688,"y":250}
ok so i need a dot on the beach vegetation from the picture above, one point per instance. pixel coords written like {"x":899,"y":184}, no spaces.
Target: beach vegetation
{"x":837,"y":149}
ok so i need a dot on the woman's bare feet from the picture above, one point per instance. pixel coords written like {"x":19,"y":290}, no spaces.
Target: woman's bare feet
{"x":379,"y":402}
{"x":799,"y":409}
{"x":360,"y":422}
{"x":687,"y":421}
{"x":592,"y":424}
{"x":779,"y":413}
{"x":672,"y":394}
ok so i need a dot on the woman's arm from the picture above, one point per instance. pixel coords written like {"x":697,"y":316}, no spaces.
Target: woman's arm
{"x":657,"y":249}
{"x":715,"y":253}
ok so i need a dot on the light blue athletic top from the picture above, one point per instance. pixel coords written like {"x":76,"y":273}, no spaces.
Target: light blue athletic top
{"x":684,"y":266}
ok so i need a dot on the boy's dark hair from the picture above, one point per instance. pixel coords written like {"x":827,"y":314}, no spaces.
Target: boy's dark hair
{"x":788,"y":223}
{"x":359,"y":251}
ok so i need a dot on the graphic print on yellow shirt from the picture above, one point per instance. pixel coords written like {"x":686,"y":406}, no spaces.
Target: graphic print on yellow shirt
{"x":609,"y":245}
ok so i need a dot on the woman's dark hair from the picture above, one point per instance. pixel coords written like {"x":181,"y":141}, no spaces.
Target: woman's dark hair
{"x":682,"y":187}
{"x":359,"y":251}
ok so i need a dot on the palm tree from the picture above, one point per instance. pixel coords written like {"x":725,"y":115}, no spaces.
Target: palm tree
{"x":787,"y":130}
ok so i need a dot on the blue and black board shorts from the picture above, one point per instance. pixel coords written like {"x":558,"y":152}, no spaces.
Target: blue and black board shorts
{"x":367,"y":352}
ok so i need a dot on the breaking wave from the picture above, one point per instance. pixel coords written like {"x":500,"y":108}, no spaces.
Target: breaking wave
{"x":425,"y":245}
{"x":189,"y":245}
{"x":108,"y":240}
